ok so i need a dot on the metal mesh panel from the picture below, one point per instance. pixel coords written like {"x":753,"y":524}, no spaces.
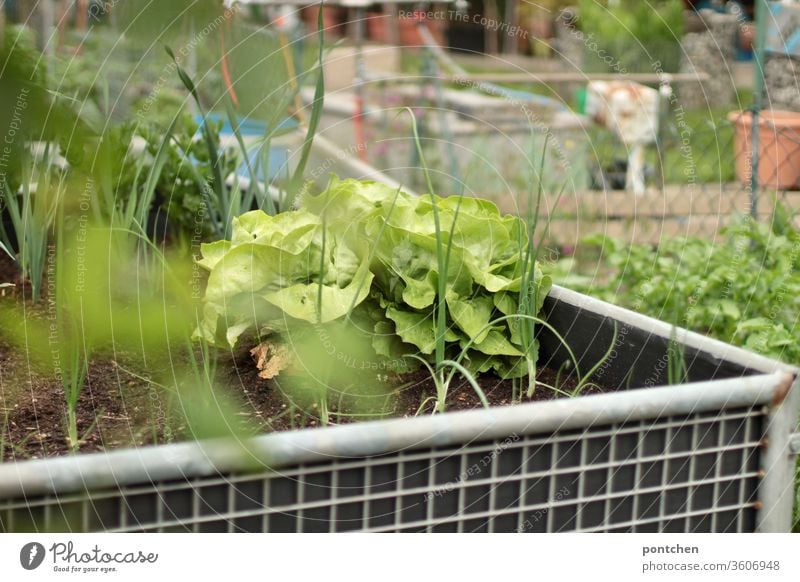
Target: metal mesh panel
{"x":711,"y":164}
{"x":696,"y":473}
{"x":698,"y":183}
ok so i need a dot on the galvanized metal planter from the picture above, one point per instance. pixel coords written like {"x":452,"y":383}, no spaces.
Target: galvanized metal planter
{"x":713,"y":455}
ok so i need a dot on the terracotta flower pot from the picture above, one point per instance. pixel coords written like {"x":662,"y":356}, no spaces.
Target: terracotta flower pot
{"x":778,"y":148}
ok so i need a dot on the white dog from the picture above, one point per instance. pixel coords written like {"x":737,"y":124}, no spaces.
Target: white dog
{"x":630,"y":110}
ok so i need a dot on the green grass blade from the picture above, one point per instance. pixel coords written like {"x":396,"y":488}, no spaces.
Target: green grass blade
{"x":211,"y":145}
{"x":582,"y":381}
{"x":250,"y":195}
{"x":441,"y":385}
{"x":160,"y":160}
{"x":296,"y":182}
{"x":132,"y":204}
{"x":7,"y":251}
{"x":214,"y":210}
{"x":12,"y":205}
{"x":471,"y":379}
{"x":265,"y":167}
{"x":440,"y":309}
{"x":322,"y":266}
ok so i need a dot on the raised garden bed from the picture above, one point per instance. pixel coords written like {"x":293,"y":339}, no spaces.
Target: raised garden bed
{"x":122,"y":307}
{"x":711,"y":455}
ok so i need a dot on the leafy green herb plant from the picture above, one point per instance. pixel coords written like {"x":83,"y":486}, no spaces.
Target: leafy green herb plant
{"x":740,"y":288}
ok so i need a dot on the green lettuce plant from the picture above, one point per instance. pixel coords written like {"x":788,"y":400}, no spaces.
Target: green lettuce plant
{"x":364,"y":251}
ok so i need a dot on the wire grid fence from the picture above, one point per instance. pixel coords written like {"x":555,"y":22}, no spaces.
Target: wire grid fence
{"x":698,"y":179}
{"x":704,"y":152}
{"x":696,"y":473}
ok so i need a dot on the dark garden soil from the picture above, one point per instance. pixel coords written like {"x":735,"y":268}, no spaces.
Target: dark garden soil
{"x":119,"y":407}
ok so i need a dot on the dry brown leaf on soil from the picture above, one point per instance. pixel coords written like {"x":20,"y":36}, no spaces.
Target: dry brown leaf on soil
{"x":271,"y":359}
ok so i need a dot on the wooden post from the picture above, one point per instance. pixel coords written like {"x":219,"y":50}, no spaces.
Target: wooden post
{"x":510,"y":40}
{"x":489,"y":35}
{"x":82,"y":17}
{"x":393,"y":37}
{"x":63,"y":21}
{"x":46,"y":27}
